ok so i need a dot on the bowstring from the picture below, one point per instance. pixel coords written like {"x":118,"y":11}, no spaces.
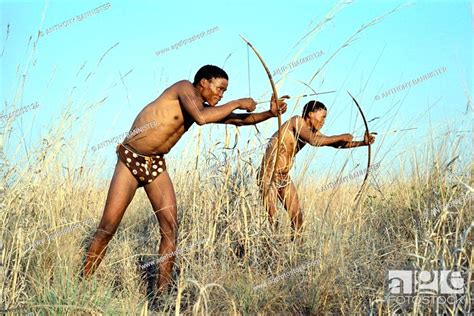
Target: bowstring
{"x":250,"y":94}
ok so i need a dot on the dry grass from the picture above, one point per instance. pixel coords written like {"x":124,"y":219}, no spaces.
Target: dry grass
{"x":394,"y":228}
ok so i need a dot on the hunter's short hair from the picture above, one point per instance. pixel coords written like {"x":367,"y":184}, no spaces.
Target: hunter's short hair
{"x":208,"y":72}
{"x":312,"y":106}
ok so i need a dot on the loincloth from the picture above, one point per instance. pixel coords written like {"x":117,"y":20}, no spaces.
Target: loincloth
{"x":143,"y":168}
{"x":281,"y":180}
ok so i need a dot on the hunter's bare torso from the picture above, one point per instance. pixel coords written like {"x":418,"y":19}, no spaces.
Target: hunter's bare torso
{"x":290,"y":145}
{"x":161,"y":123}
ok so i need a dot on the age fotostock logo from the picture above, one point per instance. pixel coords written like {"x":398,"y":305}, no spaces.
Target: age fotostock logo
{"x":425,"y":282}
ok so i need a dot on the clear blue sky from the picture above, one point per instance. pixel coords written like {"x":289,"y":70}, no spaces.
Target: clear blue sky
{"x":418,"y":38}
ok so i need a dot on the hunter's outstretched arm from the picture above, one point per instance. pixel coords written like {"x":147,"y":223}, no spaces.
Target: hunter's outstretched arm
{"x":193,"y":104}
{"x":316,"y":138}
{"x":255,"y":118}
{"x":347,"y":142}
{"x":246,"y":119}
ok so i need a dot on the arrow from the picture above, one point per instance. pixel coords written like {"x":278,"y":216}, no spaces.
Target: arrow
{"x":394,"y":131}
{"x":302,"y":96}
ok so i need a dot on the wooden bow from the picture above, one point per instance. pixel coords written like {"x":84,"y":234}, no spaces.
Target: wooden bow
{"x":357,"y":197}
{"x":275,"y":96}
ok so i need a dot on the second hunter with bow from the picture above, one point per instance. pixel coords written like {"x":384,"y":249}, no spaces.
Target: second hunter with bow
{"x":275,"y":182}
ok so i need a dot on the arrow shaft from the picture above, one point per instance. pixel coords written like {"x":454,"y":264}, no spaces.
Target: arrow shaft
{"x":391,"y":132}
{"x":303,"y":96}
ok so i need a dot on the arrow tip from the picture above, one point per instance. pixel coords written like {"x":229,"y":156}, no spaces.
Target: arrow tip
{"x":245,"y":40}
